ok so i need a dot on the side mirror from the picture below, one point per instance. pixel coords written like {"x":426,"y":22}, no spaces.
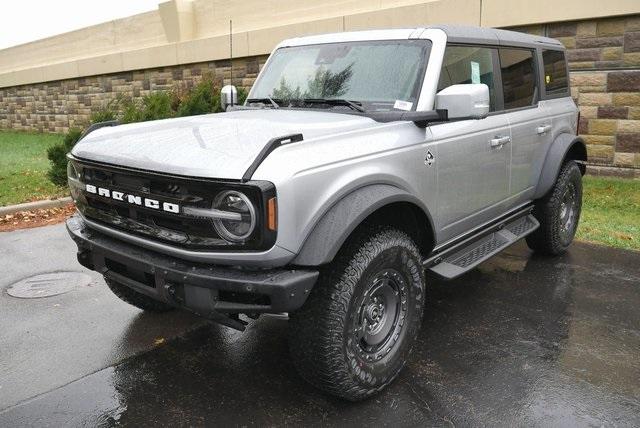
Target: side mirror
{"x":228,"y":96}
{"x":464,"y":101}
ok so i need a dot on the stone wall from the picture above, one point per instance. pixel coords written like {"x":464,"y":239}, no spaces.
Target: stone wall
{"x":603,"y":54}
{"x":58,"y":106}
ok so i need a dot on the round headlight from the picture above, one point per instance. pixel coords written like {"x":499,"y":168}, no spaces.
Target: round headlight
{"x":72,"y":172}
{"x":240,"y":228}
{"x":72,"y":179}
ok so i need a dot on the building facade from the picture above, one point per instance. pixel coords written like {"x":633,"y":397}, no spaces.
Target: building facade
{"x":53,"y":84}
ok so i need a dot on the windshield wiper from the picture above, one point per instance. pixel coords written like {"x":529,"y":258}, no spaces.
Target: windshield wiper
{"x":270,"y":100}
{"x":336,"y":102}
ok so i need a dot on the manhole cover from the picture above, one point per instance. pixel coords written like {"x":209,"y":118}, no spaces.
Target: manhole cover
{"x":48,"y":284}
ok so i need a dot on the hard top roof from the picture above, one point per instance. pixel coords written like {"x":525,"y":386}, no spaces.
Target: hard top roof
{"x":455,"y":34}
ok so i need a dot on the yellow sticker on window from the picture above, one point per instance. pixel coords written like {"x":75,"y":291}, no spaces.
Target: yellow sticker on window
{"x":547,"y":79}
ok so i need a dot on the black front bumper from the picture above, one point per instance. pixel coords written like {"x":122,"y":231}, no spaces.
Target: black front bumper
{"x":210,"y":291}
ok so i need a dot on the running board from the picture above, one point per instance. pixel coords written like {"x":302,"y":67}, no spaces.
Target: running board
{"x":470,"y":254}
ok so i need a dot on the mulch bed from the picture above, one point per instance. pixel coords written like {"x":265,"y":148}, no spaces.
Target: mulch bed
{"x":35,"y":218}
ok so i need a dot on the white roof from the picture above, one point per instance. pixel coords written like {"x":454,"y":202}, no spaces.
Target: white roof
{"x":456,"y":34}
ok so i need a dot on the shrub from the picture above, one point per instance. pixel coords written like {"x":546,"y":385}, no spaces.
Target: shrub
{"x":131,"y":111}
{"x":242,"y":95}
{"x":58,"y":157}
{"x":178,"y":93}
{"x":154,"y":106}
{"x":157,"y":105}
{"x":108,"y":112}
{"x":203,"y":98}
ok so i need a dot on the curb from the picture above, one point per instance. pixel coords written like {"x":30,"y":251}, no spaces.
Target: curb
{"x":37,"y":205}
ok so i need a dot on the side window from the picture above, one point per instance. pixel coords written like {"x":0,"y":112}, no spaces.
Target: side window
{"x":555,"y":72}
{"x":466,"y":64}
{"x":518,"y":77}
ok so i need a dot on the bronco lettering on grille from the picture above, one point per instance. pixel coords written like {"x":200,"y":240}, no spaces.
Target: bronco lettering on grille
{"x":133,"y":199}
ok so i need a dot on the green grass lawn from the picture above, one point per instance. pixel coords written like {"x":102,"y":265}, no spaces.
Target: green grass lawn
{"x":611,"y":212}
{"x":23,"y":167}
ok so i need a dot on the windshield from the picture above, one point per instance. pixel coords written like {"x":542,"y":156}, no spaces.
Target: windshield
{"x":375,"y":74}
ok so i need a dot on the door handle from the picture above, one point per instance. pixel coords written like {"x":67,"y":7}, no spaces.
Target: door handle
{"x":543,"y":128}
{"x":500,"y":141}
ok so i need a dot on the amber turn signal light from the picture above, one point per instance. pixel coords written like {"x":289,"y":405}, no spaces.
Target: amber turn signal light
{"x":272,"y":216}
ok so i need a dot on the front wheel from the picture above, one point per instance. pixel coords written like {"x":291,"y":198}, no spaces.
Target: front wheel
{"x":558,"y":213}
{"x":354,"y":333}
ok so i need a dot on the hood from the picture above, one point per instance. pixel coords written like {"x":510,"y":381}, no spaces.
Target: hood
{"x":219,"y":145}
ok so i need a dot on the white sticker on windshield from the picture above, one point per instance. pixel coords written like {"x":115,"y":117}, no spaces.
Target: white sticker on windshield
{"x":403,"y":105}
{"x":475,"y":72}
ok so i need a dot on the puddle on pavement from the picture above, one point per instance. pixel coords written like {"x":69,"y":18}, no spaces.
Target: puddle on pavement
{"x":91,"y":401}
{"x":505,"y":262}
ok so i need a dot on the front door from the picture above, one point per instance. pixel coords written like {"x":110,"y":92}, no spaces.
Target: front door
{"x":472,"y":160}
{"x":472,"y":156}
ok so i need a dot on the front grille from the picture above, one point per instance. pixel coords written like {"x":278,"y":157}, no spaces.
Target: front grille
{"x":129,"y":272}
{"x":172,"y":228}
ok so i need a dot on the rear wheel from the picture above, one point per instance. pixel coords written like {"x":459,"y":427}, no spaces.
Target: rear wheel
{"x":136,"y":299}
{"x":355,"y":331}
{"x":558,"y":213}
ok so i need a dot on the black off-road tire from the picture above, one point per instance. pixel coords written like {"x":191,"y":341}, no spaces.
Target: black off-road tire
{"x":553,"y":237}
{"x":136,"y":299}
{"x":326,"y":336}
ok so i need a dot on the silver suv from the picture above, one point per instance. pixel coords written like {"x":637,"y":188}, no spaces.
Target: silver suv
{"x":359,"y":162}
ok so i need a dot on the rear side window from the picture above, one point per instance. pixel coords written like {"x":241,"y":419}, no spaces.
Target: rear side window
{"x":518,"y":77}
{"x":466,"y":64}
{"x":555,"y":72}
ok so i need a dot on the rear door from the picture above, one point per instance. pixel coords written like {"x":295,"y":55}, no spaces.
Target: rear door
{"x":561,"y":110}
{"x":472,"y":172}
{"x":528,"y":118}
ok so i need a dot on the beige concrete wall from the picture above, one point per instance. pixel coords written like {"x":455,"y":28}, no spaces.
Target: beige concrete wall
{"x":135,"y":32}
{"x":507,"y":13}
{"x":184,"y":31}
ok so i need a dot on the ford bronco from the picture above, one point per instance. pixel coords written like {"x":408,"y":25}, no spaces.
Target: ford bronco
{"x":359,"y":162}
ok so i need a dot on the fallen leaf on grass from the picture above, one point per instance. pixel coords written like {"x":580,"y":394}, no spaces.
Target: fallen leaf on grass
{"x":624,"y":236}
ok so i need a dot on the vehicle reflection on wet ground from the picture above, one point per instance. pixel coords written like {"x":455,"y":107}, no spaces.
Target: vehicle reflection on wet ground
{"x":522,"y":340}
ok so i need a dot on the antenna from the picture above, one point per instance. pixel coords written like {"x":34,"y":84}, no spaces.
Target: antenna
{"x":231,"y":56}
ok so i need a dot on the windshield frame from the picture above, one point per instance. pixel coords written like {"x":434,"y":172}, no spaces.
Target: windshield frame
{"x":417,"y":88}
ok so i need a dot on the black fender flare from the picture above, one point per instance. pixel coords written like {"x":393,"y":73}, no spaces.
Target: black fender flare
{"x":341,"y":219}
{"x":98,"y":125}
{"x":564,"y":144}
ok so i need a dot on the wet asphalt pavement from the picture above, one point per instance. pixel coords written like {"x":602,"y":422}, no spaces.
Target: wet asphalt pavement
{"x":522,"y":340}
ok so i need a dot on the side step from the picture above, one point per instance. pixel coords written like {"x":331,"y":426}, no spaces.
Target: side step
{"x":476,"y":251}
